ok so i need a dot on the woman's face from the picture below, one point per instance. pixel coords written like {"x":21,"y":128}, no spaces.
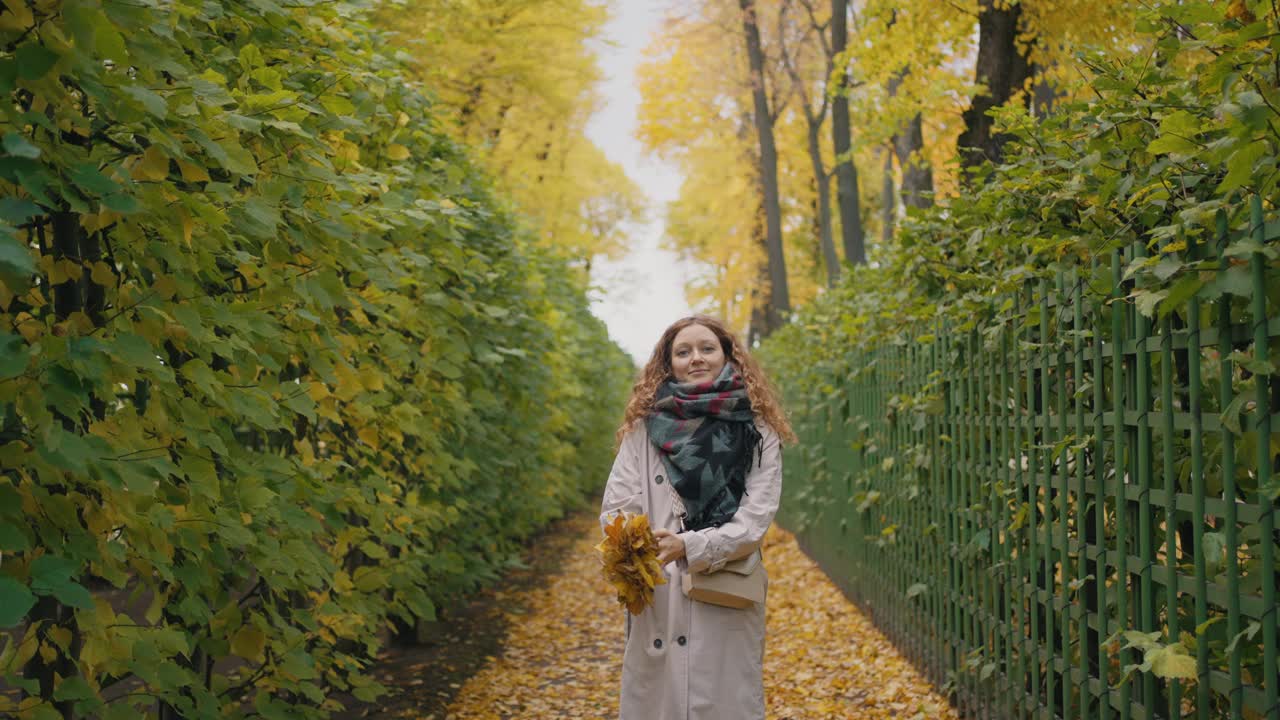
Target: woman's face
{"x":696,"y":355}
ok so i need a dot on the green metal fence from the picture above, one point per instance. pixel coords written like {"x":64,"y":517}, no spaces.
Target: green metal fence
{"x":1008,"y":501}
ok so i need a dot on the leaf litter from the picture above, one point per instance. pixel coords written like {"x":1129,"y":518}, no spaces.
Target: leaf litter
{"x":562,"y":655}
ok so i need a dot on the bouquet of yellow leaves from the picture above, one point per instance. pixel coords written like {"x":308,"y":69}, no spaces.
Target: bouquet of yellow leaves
{"x":629,"y":554}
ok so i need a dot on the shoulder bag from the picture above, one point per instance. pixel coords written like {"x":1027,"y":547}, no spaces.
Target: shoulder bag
{"x":739,"y":584}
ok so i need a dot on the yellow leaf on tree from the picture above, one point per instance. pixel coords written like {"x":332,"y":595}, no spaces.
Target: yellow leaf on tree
{"x":187,"y":225}
{"x":60,"y":636}
{"x":18,"y":17}
{"x":1173,"y":662}
{"x":153,"y":166}
{"x":192,"y":172}
{"x":318,"y":391}
{"x":397,"y":152}
{"x":102,"y":274}
{"x":1239,"y":10}
{"x":249,"y":643}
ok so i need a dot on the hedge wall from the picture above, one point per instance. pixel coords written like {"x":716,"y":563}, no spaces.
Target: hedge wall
{"x":276,"y":369}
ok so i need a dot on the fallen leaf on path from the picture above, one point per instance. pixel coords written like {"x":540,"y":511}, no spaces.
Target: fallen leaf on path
{"x":824,"y":659}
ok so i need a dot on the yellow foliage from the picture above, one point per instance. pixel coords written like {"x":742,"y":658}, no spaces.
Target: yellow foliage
{"x":696,"y":111}
{"x":153,"y":165}
{"x":517,"y":78}
{"x":249,"y":643}
{"x":629,"y":558}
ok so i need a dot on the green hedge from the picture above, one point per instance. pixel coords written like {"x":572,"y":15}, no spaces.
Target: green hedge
{"x":273,"y":361}
{"x":1099,"y":308}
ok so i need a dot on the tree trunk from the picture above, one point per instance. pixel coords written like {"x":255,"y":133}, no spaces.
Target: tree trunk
{"x":1002,"y":70}
{"x":888,"y":206}
{"x":1044,"y":95}
{"x":779,"y":305}
{"x":917,"y":176}
{"x":908,"y":145}
{"x":846,"y":172}
{"x":824,"y":206}
{"x":50,"y":614}
{"x":758,"y":324}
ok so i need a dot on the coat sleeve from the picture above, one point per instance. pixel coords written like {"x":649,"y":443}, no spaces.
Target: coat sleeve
{"x":707,"y":550}
{"x":624,"y":491}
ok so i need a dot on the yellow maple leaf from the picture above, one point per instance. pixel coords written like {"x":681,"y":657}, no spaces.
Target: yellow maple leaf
{"x":1239,"y":10}
{"x":629,"y":560}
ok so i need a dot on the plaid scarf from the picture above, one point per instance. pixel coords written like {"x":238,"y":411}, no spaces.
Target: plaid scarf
{"x":705,"y":433}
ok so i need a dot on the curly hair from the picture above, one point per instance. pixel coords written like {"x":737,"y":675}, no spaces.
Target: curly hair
{"x":764,"y":398}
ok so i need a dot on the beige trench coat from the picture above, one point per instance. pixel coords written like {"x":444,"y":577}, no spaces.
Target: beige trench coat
{"x":687,"y":660}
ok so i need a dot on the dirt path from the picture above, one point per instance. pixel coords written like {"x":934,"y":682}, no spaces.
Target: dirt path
{"x":553,"y":649}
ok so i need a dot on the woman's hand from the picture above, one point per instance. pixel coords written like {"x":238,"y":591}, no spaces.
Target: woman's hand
{"x":670,"y":546}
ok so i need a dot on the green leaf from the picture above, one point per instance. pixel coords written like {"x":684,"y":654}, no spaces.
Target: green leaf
{"x":13,"y":355}
{"x":1235,"y":280}
{"x":74,"y":595}
{"x":1215,"y":552}
{"x":136,"y":351}
{"x":12,"y":539}
{"x":18,"y":146}
{"x":34,"y":60}
{"x":16,"y":266}
{"x":50,"y":571}
{"x":1167,"y":267}
{"x":1147,"y":300}
{"x":1240,"y":166}
{"x":88,"y":178}
{"x":1181,"y":122}
{"x":1245,"y":247}
{"x":8,"y":75}
{"x":916,"y":589}
{"x":1254,"y":365}
{"x":17,"y":211}
{"x":45,"y":711}
{"x":73,"y":688}
{"x":250,"y":57}
{"x":1182,"y":291}
{"x":121,"y":203}
{"x":1231,"y":415}
{"x":15,"y":601}
{"x":149,"y":100}
{"x":109,"y":43}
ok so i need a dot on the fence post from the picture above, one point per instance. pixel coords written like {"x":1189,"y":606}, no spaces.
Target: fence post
{"x":1267,"y":506}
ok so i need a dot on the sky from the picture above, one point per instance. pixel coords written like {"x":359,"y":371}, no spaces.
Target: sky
{"x":642,"y":293}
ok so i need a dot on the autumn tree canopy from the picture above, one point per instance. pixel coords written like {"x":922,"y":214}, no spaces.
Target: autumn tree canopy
{"x":516,"y":81}
{"x":918,"y":79}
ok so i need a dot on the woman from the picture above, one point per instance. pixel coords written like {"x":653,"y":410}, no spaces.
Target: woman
{"x":699,"y":454}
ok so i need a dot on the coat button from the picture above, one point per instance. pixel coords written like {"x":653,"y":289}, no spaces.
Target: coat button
{"x":658,"y":479}
{"x":658,"y":643}
{"x":681,"y":640}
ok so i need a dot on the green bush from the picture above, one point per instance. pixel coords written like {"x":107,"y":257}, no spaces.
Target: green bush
{"x":907,"y":378}
{"x":273,"y":361}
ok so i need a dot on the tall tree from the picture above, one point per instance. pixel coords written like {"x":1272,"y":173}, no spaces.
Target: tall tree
{"x":517,"y":78}
{"x":846,"y":171}
{"x":908,"y":145}
{"x":1002,"y":70}
{"x":779,"y":303}
{"x":814,"y":118}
